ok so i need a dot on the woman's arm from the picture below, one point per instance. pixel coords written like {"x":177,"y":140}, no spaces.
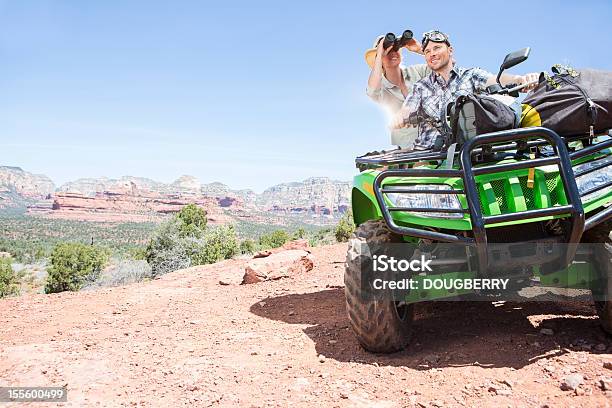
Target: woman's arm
{"x":375,"y":78}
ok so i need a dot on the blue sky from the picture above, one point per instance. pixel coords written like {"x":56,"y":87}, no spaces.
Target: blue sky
{"x":249,"y":93}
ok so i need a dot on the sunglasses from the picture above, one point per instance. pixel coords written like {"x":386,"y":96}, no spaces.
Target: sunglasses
{"x":435,"y":36}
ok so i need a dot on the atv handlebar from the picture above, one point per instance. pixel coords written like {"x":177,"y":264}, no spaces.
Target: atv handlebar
{"x":517,"y":87}
{"x":412,"y":120}
{"x":510,"y":89}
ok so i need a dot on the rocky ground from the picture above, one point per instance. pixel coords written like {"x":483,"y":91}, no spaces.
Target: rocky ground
{"x":187,"y":340}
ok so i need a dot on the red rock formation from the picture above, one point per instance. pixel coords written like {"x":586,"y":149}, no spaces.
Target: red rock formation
{"x":126,"y":205}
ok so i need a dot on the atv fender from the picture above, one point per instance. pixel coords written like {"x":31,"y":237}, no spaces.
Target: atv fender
{"x":364,"y":206}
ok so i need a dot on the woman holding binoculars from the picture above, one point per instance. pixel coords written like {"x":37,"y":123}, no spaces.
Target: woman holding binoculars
{"x":390,"y":82}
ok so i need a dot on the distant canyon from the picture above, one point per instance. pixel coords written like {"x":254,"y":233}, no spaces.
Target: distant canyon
{"x":316,"y":200}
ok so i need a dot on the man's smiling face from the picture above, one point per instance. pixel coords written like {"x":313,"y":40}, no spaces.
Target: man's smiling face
{"x":438,"y":55}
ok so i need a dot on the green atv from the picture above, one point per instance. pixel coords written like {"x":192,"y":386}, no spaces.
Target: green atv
{"x":520,"y":186}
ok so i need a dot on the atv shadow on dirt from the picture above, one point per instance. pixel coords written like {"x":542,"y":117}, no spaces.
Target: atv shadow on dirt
{"x":447,"y":334}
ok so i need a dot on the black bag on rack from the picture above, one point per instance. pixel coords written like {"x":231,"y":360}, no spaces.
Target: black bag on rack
{"x":475,"y":114}
{"x":571,"y":102}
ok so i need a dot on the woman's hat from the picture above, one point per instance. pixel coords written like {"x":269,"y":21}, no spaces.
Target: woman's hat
{"x":370,"y":54}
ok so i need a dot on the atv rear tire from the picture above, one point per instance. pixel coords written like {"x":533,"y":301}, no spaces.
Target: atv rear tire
{"x":602,"y":260}
{"x":381,"y":326}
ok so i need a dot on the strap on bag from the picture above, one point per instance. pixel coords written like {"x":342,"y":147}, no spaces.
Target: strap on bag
{"x":455,"y":117}
{"x":450,"y":155}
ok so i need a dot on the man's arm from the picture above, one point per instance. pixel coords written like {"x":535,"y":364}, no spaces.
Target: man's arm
{"x":414,"y":46}
{"x":506,"y":79}
{"x":411,"y":106}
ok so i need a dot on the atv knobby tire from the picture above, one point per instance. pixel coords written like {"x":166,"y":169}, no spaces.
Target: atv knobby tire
{"x":602,"y":261}
{"x":381,"y":326}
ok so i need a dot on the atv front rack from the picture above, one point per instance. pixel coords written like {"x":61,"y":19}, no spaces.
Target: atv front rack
{"x":560,"y":157}
{"x":604,"y":214}
{"x":404,"y":156}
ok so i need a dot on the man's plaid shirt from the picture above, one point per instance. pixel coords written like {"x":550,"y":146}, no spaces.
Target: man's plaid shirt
{"x":431,"y":95}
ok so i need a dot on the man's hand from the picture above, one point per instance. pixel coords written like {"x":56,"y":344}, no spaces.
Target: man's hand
{"x":399,"y":120}
{"x":414,"y":46}
{"x":531,"y":79}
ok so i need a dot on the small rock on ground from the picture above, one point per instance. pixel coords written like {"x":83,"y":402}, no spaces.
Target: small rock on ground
{"x":571,"y":382}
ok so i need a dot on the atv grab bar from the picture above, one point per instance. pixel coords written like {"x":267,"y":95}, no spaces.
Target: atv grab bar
{"x":574,"y":207}
{"x":561,"y":158}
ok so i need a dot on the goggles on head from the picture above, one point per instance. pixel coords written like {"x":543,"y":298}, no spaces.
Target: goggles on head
{"x":435,"y":36}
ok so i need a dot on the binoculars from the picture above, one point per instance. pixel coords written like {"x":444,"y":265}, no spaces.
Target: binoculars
{"x":390,"y":40}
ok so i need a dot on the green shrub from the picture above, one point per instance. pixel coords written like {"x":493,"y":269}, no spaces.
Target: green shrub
{"x":165,"y":253}
{"x":73,"y":265}
{"x":345,"y":227}
{"x":274,"y":239}
{"x":125,"y":272}
{"x":247,"y":246}
{"x":191,"y":221}
{"x":299,"y":233}
{"x":324,"y":236}
{"x":171,"y":249}
{"x":9,"y":284}
{"x":137,"y":253}
{"x":217,"y":244}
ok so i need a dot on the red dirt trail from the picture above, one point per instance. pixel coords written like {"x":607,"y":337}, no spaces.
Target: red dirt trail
{"x":186,"y":340}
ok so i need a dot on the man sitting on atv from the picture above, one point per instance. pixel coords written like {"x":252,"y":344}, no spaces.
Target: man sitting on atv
{"x":430,"y":96}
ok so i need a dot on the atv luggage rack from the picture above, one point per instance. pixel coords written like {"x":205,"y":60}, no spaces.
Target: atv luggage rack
{"x":508,"y":139}
{"x":405,"y":156}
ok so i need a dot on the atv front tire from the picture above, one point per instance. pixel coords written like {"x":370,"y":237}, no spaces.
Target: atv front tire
{"x":601,"y":235}
{"x":381,"y":326}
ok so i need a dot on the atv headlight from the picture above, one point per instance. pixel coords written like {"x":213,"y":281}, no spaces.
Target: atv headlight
{"x":425,"y":200}
{"x":594,"y":179}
